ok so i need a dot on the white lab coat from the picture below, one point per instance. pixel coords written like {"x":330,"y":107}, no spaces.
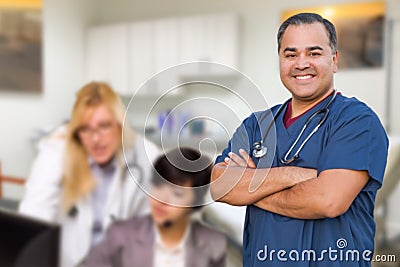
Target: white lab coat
{"x":42,"y":198}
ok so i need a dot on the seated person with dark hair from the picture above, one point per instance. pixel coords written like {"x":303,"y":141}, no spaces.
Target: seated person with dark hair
{"x":169,"y":237}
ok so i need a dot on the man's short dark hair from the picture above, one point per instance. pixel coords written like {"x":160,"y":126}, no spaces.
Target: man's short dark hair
{"x":309,"y":18}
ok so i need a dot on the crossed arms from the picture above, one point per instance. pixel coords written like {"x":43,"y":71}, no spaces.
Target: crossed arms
{"x":290,"y":191}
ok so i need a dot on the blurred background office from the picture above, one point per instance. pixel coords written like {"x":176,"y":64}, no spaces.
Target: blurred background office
{"x":125,"y":42}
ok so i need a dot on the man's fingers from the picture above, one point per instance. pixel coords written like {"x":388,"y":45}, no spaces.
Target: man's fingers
{"x":242,"y":160}
{"x":237,"y":159}
{"x":230,"y":162}
{"x":249,"y":161}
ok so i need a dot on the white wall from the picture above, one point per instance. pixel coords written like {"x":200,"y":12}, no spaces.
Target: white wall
{"x":20,"y":114}
{"x":394,"y":14}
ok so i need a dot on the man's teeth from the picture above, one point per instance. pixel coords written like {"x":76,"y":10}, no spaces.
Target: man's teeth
{"x":304,"y":77}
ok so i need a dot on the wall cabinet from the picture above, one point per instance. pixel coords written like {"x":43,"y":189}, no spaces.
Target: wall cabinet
{"x":209,"y":38}
{"x":140,"y":55}
{"x":107,"y":49}
{"x":127,"y":54}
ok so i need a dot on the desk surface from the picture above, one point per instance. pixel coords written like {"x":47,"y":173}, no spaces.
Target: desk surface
{"x":9,"y":204}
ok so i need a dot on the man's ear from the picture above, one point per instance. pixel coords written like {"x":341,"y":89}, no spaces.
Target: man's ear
{"x":335,"y":61}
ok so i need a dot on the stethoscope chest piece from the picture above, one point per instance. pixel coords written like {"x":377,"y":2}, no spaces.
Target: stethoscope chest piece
{"x":259,"y":150}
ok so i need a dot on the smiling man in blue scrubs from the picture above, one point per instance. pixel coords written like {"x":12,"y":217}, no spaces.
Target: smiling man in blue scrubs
{"x":315,"y":206}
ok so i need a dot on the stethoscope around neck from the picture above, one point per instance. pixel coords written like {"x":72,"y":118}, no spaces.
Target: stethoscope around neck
{"x":259,"y":150}
{"x":133,"y":167}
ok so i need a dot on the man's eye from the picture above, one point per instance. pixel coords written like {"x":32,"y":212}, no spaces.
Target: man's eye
{"x":290,"y":55}
{"x":315,"y":54}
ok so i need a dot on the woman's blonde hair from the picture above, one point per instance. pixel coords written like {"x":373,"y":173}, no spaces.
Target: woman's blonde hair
{"x":77,"y":178}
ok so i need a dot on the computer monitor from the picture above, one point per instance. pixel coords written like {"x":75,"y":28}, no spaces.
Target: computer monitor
{"x":28,"y":242}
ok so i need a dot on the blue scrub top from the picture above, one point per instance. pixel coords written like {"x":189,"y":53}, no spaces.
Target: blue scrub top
{"x":352,"y":138}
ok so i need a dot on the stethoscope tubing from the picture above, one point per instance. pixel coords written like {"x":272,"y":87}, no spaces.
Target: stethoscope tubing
{"x":132,"y":164}
{"x":259,"y":150}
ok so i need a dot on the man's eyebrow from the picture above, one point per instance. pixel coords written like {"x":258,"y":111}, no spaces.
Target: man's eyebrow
{"x":290,"y":49}
{"x":316,"y":47}
{"x":311,"y":48}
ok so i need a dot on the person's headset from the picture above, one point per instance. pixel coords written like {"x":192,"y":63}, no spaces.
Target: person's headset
{"x":169,"y":223}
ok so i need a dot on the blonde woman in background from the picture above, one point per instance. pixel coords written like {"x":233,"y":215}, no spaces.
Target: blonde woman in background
{"x":80,"y":178}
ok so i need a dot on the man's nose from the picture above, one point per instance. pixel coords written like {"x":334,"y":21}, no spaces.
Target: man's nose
{"x":302,"y":62}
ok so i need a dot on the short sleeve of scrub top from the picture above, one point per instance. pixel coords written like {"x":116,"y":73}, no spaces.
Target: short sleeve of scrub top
{"x":357,"y":141}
